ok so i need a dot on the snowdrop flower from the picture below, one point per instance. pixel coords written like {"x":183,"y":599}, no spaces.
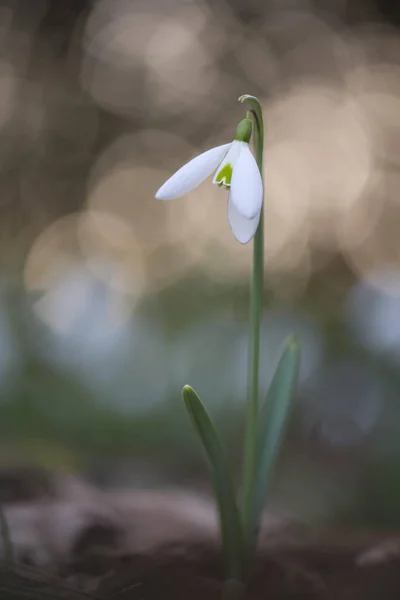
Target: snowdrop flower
{"x":235,"y":170}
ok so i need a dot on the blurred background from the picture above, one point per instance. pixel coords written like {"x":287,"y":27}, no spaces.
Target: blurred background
{"x":110,"y":301}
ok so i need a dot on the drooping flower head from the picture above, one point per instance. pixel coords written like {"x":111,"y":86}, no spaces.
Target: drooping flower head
{"x":235,"y":170}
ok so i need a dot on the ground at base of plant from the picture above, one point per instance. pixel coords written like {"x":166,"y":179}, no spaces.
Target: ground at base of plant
{"x":72,"y":540}
{"x":337,"y":570}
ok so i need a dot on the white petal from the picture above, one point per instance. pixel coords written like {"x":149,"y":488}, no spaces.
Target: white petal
{"x":230,"y":158}
{"x":192,"y":174}
{"x":243,"y":229}
{"x":246,"y":184}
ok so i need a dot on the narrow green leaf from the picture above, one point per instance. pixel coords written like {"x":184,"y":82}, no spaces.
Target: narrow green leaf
{"x":231,"y":528}
{"x":274,"y":417}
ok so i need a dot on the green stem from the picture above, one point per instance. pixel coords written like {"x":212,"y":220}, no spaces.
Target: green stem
{"x":251,"y":431}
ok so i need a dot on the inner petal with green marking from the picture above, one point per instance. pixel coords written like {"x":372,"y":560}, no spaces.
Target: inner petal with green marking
{"x":224,"y":176}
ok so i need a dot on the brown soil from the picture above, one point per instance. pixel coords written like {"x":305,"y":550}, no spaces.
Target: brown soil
{"x":321,"y":572}
{"x":72,"y":541}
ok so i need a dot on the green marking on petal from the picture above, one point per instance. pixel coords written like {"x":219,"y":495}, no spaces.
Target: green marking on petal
{"x":224,"y":176}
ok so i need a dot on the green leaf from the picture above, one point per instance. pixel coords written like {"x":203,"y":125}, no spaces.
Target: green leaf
{"x":231,"y":527}
{"x":273,"y":419}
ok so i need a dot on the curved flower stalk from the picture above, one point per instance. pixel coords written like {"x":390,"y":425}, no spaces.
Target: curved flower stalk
{"x":235,"y":170}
